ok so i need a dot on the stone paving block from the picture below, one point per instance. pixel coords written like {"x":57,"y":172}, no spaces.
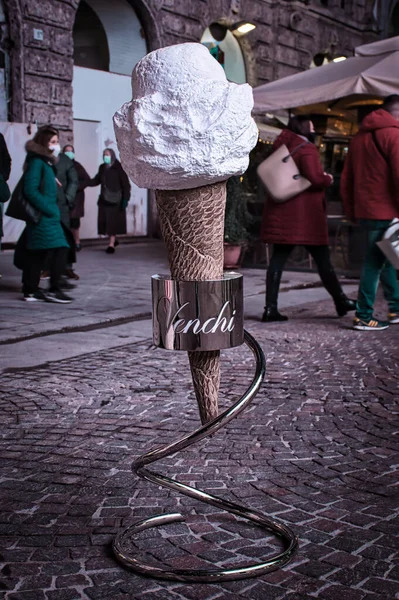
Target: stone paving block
{"x":29,"y":595}
{"x":34,"y":583}
{"x":382,"y":586}
{"x":335,"y":592}
{"x":63,"y":594}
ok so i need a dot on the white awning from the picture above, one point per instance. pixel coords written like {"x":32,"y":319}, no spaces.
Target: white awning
{"x":373,"y":71}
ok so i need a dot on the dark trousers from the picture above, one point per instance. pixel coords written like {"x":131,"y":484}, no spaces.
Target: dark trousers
{"x":55,"y":259}
{"x":71,"y":253}
{"x":321,"y":256}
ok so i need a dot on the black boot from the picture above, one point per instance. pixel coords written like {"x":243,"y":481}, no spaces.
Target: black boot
{"x":330,"y":281}
{"x":271,"y":313}
{"x":343,"y":305}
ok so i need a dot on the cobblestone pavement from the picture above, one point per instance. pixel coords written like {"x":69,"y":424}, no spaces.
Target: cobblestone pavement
{"x":318,"y":450}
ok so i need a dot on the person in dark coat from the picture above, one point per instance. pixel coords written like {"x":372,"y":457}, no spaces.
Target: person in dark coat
{"x":302,"y":221}
{"x":5,"y":159}
{"x":78,"y":211}
{"x":5,"y":170}
{"x":113,"y":199}
{"x":370,"y":194}
{"x":68,"y":178}
{"x":45,"y":241}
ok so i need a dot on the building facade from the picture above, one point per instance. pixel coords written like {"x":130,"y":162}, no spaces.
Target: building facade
{"x":38,"y":40}
{"x":68,"y":62}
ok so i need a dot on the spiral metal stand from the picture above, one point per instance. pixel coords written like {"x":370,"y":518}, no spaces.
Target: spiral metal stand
{"x":288,"y":538}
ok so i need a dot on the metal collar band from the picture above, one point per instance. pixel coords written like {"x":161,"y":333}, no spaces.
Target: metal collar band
{"x":198,"y":315}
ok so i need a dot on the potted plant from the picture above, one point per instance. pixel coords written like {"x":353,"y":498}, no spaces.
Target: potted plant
{"x":237,"y":222}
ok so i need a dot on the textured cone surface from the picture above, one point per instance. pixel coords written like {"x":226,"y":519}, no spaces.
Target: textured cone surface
{"x":192,"y":224}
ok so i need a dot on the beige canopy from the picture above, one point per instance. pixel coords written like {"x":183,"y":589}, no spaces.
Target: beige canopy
{"x":373,"y":71}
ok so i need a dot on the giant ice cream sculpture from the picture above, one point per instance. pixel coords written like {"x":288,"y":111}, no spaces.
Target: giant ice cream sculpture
{"x":186,"y":131}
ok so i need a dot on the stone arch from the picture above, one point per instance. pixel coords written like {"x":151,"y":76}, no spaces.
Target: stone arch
{"x":150,"y":24}
{"x":108,"y":36}
{"x":245,"y":50}
{"x":147,"y":19}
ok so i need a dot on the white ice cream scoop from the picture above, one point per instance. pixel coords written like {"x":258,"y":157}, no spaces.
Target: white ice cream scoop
{"x":186,"y":126}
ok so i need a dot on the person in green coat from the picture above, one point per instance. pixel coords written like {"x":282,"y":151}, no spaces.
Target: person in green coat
{"x":45,"y":241}
{"x":68,"y":186}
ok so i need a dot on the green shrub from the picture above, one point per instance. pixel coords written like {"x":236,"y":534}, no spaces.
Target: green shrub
{"x":237,"y":219}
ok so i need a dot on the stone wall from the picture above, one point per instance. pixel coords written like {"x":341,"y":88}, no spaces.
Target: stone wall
{"x":287,"y":35}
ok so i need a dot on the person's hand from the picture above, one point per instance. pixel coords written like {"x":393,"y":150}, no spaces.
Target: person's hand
{"x":330,"y":176}
{"x":124,"y":204}
{"x":58,"y":182}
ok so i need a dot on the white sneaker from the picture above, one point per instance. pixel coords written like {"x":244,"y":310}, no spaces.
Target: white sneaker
{"x":393,"y":317}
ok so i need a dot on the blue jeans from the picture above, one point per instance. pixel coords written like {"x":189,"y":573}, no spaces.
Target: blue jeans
{"x":375,"y":268}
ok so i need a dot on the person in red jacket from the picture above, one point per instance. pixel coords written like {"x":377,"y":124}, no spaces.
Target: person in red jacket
{"x":370,"y":194}
{"x":301,"y":221}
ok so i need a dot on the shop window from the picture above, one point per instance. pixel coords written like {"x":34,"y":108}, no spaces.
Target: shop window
{"x":90,"y":40}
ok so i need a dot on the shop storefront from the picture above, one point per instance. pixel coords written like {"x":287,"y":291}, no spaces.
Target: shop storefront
{"x":337,"y":96}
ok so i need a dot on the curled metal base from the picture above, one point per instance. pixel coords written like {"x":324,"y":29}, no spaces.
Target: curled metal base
{"x":287,"y":537}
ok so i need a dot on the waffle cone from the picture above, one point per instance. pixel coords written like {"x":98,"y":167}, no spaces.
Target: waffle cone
{"x":192,"y":224}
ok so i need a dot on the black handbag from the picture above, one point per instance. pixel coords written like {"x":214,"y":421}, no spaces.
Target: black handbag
{"x":111,"y":197}
{"x":20,"y":208}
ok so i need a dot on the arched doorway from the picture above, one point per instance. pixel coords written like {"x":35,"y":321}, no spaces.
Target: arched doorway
{"x":229,"y":53}
{"x":90,"y":43}
{"x":108,"y":43}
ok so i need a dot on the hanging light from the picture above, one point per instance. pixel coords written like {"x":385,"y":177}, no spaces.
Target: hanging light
{"x":338,"y":59}
{"x":242,"y":27}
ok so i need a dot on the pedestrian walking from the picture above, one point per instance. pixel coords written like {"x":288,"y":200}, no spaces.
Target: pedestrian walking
{"x":68,"y":178}
{"x":113,"y":199}
{"x":44,"y":241}
{"x":370,"y":194}
{"x":78,"y":211}
{"x":5,"y":170}
{"x":301,"y":221}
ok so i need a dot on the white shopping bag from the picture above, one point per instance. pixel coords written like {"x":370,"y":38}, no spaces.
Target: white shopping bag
{"x":390,"y":243}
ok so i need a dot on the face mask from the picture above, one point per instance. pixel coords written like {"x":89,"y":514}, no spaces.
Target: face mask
{"x":107,"y":159}
{"x":70,"y":155}
{"x":56,"y":148}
